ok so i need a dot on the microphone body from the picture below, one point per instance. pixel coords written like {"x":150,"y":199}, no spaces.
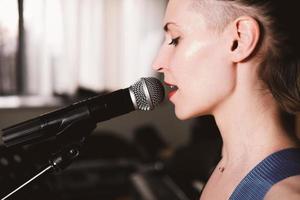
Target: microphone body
{"x":95,"y":109}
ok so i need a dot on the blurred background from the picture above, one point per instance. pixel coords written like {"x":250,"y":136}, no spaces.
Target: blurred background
{"x":56,"y":52}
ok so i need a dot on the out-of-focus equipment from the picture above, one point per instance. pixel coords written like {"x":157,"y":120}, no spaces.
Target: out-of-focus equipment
{"x":73,"y":124}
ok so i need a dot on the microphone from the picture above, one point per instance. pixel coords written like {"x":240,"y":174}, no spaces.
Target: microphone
{"x":143,"y":95}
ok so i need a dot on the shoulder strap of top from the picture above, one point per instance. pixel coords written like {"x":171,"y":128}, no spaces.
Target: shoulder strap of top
{"x":274,"y":168}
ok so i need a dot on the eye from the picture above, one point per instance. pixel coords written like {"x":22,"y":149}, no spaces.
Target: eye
{"x":174,"y":41}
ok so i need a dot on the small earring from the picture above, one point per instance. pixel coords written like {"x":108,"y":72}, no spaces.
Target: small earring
{"x":234,"y":45}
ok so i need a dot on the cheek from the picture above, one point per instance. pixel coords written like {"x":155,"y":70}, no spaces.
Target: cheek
{"x":206,"y":77}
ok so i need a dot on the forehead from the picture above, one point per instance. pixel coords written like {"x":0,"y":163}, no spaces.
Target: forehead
{"x":183,"y":14}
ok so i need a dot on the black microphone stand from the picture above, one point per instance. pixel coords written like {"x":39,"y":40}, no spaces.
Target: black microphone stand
{"x":71,"y":139}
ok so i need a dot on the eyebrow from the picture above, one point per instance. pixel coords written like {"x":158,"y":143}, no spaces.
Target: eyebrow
{"x":166,"y":27}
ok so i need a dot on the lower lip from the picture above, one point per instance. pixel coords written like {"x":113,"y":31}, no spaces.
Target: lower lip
{"x":170,"y":94}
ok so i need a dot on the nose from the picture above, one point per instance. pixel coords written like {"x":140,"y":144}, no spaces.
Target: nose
{"x":161,"y":61}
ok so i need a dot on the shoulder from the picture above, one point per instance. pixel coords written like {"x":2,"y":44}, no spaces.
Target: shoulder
{"x":288,"y":188}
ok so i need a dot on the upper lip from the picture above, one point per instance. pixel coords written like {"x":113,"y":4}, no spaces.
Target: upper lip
{"x":169,"y":84}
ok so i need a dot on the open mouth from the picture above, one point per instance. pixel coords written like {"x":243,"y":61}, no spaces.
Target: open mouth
{"x":171,"y":89}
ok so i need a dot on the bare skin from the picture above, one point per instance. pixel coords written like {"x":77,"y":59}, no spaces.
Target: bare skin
{"x":286,"y":189}
{"x":212,"y":78}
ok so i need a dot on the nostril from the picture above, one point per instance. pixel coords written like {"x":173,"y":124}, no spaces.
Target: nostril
{"x":159,"y":69}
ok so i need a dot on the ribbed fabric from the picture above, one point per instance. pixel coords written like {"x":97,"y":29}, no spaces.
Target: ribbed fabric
{"x":274,"y":168}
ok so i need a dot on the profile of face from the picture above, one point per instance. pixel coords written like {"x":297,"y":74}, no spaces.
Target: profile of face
{"x":196,"y":60}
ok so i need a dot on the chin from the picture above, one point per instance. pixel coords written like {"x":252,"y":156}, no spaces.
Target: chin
{"x":185,"y":114}
{"x":181,"y":115}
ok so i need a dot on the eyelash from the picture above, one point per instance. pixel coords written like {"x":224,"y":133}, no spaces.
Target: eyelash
{"x":174,"y":41}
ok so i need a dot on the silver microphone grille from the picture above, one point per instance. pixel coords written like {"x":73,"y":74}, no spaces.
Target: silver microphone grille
{"x":147,"y":93}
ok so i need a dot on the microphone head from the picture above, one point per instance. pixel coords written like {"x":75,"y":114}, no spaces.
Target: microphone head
{"x":147,"y":93}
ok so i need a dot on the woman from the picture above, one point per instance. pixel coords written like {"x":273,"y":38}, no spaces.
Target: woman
{"x":238,"y":60}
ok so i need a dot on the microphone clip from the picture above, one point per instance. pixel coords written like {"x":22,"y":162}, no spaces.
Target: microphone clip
{"x":71,"y":140}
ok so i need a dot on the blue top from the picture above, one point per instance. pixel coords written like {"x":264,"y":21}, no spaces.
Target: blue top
{"x":262,"y":177}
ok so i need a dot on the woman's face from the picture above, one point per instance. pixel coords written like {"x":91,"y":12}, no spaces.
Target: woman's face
{"x":195,"y":60}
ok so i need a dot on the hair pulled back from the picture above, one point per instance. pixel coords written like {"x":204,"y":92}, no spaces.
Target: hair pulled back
{"x":280,"y":30}
{"x":280,"y":69}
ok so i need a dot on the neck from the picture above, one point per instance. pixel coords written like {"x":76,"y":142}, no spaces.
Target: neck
{"x":250,"y":126}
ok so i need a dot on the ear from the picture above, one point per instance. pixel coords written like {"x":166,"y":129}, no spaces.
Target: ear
{"x":246,"y":34}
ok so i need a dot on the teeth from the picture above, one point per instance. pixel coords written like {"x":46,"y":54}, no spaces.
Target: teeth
{"x":171,"y":87}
